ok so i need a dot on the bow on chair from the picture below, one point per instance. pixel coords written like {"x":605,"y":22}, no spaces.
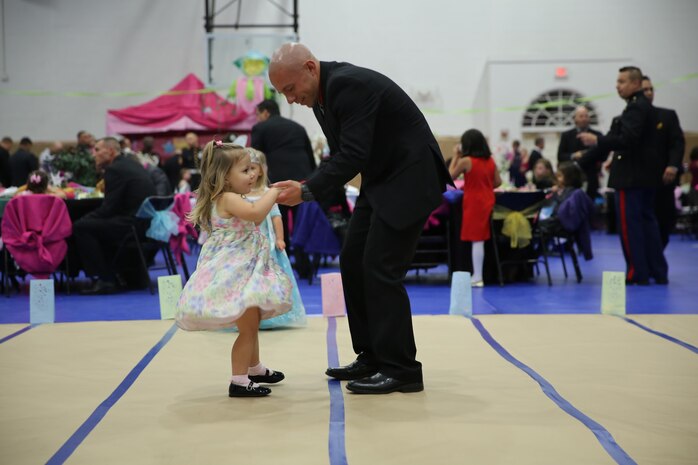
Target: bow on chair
{"x":33,"y":241}
{"x":163,"y":223}
{"x":178,"y":241}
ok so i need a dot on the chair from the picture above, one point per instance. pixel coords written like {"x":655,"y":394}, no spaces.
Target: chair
{"x":509,"y":208}
{"x":161,"y":224}
{"x":313,"y":235}
{"x":570,"y":224}
{"x":34,"y":231}
{"x":434,"y":246}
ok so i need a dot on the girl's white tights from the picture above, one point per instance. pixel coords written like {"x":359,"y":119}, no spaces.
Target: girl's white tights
{"x":478,"y":259}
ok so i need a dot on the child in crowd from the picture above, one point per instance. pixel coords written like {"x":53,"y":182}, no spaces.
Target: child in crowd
{"x":543,"y":177}
{"x":568,"y":208}
{"x":273,"y":228}
{"x":481,"y":177}
{"x":236,"y":282}
{"x":37,"y":183}
{"x":185,"y":176}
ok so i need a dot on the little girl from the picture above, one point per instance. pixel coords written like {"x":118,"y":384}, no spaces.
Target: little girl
{"x":273,"y":228}
{"x":473,"y":159}
{"x":37,"y":183}
{"x":236,"y":282}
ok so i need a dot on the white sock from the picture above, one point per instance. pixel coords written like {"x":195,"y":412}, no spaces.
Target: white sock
{"x":478,"y":260}
{"x":241,"y":380}
{"x":259,"y":370}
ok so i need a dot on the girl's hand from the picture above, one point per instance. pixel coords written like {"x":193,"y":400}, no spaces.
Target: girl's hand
{"x":280,"y":244}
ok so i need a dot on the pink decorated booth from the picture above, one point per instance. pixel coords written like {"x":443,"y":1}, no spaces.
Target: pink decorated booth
{"x":187,"y":107}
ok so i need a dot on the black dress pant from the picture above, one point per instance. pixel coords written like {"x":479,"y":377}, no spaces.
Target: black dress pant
{"x":373,"y":262}
{"x":639,"y":235}
{"x":97,"y":240}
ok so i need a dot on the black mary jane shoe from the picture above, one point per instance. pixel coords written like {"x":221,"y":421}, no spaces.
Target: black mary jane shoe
{"x":355,"y":370}
{"x":267,"y":378}
{"x":235,"y":390}
{"x":382,"y":384}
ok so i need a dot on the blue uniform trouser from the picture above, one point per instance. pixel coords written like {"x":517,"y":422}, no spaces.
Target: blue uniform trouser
{"x":639,"y":235}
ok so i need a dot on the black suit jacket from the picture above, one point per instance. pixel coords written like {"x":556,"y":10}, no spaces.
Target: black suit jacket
{"x":671,"y":139}
{"x":21,"y":164}
{"x":569,"y":144}
{"x":286,"y":146}
{"x":634,"y":140}
{"x":126,"y":185}
{"x":375,"y":129}
{"x":5,"y":170}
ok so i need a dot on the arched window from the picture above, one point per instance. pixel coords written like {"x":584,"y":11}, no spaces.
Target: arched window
{"x":555,"y":109}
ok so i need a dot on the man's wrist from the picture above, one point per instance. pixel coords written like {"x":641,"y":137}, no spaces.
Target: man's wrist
{"x":306,"y":194}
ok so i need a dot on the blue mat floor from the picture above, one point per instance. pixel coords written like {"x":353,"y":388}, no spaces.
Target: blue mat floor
{"x":430,"y":291}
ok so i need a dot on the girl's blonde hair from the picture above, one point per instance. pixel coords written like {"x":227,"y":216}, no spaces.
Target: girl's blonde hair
{"x":260,"y":159}
{"x":216,"y":161}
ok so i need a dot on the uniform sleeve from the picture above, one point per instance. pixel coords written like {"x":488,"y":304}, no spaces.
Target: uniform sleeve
{"x":677,"y":142}
{"x":626,"y":131}
{"x":355,"y":106}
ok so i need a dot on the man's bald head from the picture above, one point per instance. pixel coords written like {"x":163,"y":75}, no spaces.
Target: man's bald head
{"x":581,"y":117}
{"x":295,"y":72}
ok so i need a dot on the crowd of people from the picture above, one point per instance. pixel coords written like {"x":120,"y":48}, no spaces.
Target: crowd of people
{"x":246,"y":198}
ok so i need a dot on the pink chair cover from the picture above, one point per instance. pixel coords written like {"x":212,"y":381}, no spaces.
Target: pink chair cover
{"x":178,"y":243}
{"x":34,"y":229}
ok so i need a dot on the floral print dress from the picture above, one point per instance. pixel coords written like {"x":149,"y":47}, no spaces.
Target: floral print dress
{"x":235,"y":271}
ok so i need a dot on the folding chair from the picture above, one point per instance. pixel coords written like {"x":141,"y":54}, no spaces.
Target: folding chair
{"x":161,"y":225}
{"x":34,"y":231}
{"x":524,"y":205}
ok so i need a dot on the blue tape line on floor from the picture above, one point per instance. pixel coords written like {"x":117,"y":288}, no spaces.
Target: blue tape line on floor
{"x":81,"y":433}
{"x":685,"y":345}
{"x":17,"y":333}
{"x":604,"y":437}
{"x":337,"y":448}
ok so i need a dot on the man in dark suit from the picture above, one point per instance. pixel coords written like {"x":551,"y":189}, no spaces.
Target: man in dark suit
{"x":375,"y":129}
{"x":23,"y":162}
{"x":636,"y":172}
{"x":126,"y":185}
{"x":536,"y":153}
{"x":672,"y":145}
{"x":289,"y":156}
{"x":5,"y":170}
{"x":572,"y":149}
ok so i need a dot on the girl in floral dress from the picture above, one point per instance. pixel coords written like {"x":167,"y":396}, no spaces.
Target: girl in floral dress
{"x":236,"y":282}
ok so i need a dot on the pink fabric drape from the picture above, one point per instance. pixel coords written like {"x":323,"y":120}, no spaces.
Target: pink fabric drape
{"x":178,"y":243}
{"x":34,"y":229}
{"x":204,"y":109}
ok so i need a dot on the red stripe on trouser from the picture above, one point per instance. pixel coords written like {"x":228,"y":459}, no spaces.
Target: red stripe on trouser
{"x":624,"y":233}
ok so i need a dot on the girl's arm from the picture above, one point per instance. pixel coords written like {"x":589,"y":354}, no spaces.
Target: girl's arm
{"x":279,"y":232}
{"x":231,"y":204}
{"x":497,"y":177}
{"x":462,"y":165}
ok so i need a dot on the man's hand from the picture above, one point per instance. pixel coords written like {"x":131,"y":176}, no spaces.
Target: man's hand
{"x":588,"y":138}
{"x":577,"y":155}
{"x":669,"y":174}
{"x":290,"y":192}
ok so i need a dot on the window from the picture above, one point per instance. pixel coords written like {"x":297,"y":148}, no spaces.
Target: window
{"x":555,"y":109}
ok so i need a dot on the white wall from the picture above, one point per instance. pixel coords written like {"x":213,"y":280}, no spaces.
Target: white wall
{"x":438,"y":50}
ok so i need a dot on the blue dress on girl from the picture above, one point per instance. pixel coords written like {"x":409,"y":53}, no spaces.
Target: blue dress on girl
{"x":296,"y":316}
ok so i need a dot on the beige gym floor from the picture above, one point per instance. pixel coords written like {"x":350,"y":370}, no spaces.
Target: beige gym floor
{"x":477,"y":408}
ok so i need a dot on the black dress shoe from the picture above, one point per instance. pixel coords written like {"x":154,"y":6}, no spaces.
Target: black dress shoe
{"x":267,"y":378}
{"x":355,"y":370}
{"x":235,"y":390}
{"x":637,"y":282}
{"x":662,"y":281}
{"x":381,"y":384}
{"x":101,"y":287}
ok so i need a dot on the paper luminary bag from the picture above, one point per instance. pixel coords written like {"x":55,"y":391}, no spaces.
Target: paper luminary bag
{"x":169,"y":289}
{"x":461,"y":294}
{"x":332,"y":295}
